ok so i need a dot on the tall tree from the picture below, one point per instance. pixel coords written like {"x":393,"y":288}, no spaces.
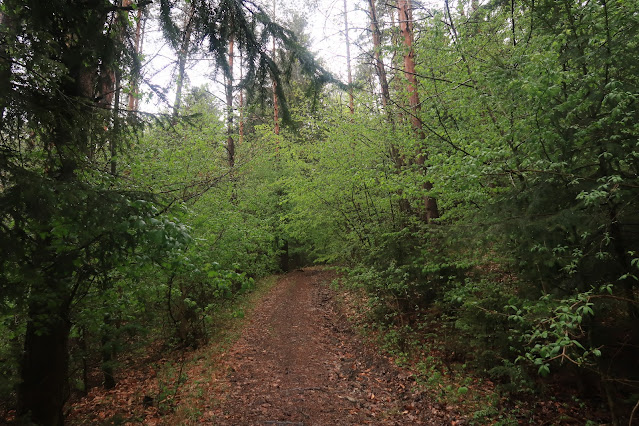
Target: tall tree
{"x":431,"y":210}
{"x":183,"y":47}
{"x":53,"y":244}
{"x":377,"y":52}
{"x":133,"y":95}
{"x":351,"y":105}
{"x":228,"y":87}
{"x":6,"y":36}
{"x":276,"y":106}
{"x":240,"y":106}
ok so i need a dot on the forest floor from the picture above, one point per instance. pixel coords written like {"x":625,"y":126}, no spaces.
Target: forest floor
{"x":293,"y":352}
{"x":296,"y":361}
{"x":299,"y":362}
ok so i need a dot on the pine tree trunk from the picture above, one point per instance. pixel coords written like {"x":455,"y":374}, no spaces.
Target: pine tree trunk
{"x":133,"y":103}
{"x":276,"y":109}
{"x":430,"y":209}
{"x":116,"y":125}
{"x":406,"y":28}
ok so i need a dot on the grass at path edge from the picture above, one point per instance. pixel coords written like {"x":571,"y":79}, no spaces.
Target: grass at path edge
{"x":204,"y":363}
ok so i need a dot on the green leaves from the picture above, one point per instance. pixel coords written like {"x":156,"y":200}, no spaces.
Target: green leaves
{"x":552,"y":331}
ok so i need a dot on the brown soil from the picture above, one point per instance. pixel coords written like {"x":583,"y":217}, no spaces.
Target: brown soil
{"x":299,"y":363}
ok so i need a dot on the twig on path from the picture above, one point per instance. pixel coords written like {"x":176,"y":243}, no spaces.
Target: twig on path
{"x":303,"y":413}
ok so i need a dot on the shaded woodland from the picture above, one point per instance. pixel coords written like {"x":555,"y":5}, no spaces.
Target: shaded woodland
{"x":475,"y":181}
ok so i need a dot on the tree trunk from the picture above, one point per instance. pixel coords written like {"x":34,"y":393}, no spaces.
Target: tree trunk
{"x":406,"y":28}
{"x":6,"y":28}
{"x":133,"y":103}
{"x":351,"y":105}
{"x":230,"y":143}
{"x":276,"y":106}
{"x":106,"y":349}
{"x":395,"y":155}
{"x":182,"y":57}
{"x":396,"y":64}
{"x":379,"y":64}
{"x":431,"y":210}
{"x":45,"y":361}
{"x":241,"y":106}
{"x":276,"y":110}
{"x":116,"y":124}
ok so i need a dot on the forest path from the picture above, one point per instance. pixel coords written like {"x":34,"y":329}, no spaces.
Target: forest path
{"x":299,"y":363}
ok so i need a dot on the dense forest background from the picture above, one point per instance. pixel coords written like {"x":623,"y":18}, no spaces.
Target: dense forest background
{"x":477,"y":179}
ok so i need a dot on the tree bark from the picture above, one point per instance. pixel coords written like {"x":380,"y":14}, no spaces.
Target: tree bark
{"x":241,"y":106}
{"x":396,"y":156}
{"x":6,"y":28}
{"x":44,"y":388}
{"x":44,"y":366}
{"x":379,"y":63}
{"x":406,"y":28}
{"x":276,"y":106}
{"x":106,"y":349}
{"x":133,"y":103}
{"x":351,"y":105}
{"x":116,"y":125}
{"x":230,"y":143}
{"x":431,"y":210}
{"x":182,"y":57}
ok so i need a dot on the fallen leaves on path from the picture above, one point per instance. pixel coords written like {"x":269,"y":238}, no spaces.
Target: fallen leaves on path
{"x":297,"y":362}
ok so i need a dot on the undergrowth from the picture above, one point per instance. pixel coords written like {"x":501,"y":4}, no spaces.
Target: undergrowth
{"x":179,"y":385}
{"x":458,"y":352}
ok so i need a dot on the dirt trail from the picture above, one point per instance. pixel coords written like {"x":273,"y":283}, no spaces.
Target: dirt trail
{"x":298,"y":363}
